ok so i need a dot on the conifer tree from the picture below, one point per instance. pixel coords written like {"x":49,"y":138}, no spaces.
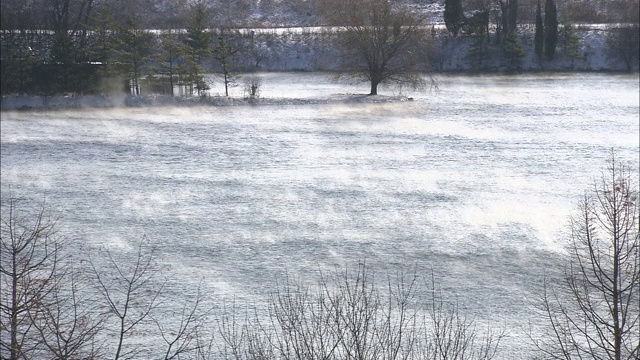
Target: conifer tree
{"x":550,"y":29}
{"x":539,"y":35}
{"x":199,"y":42}
{"x":571,"y":42}
{"x":453,"y":16}
{"x":133,"y":47}
{"x":512,"y":52}
{"x":171,"y":57}
{"x":224,"y":52}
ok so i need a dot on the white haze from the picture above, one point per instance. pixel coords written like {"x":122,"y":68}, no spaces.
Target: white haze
{"x":475,"y":181}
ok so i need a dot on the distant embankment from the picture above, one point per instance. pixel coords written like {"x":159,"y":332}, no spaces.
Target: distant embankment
{"x":301,"y":49}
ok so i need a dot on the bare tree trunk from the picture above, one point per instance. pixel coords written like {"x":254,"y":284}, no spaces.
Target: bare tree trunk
{"x":374,"y":88}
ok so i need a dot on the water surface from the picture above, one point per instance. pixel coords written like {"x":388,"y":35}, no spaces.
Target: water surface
{"x":475,"y":182}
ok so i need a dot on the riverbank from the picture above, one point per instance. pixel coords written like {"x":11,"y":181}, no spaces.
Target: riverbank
{"x":21,"y":103}
{"x":291,"y":88}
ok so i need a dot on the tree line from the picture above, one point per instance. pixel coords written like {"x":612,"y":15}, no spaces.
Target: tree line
{"x":85,"y":48}
{"x":551,"y":30}
{"x":86,"y":52}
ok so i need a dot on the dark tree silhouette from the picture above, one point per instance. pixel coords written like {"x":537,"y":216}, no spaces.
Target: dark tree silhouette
{"x":539,"y":34}
{"x":198,"y":40}
{"x":382,"y":43}
{"x":550,"y":29}
{"x":453,"y":16}
{"x":623,"y":44}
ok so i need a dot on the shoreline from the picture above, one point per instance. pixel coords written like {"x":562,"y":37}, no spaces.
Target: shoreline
{"x":114,"y":101}
{"x":60,"y":102}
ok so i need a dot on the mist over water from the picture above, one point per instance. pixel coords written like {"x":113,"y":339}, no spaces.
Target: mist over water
{"x":475,"y":181}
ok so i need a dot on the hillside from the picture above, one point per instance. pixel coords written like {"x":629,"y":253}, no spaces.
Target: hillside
{"x":163,"y":14}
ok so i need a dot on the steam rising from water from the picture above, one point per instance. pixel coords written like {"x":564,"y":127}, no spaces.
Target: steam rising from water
{"x":475,"y":181}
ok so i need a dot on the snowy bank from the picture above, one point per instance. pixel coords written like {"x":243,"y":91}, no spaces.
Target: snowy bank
{"x":76,"y":102}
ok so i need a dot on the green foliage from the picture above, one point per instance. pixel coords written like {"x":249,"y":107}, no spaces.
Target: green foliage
{"x":550,"y":29}
{"x":453,"y":16}
{"x":29,"y":66}
{"x":18,"y":60}
{"x":65,"y":53}
{"x":133,"y":47}
{"x":511,"y":48}
{"x":478,"y":52}
{"x":512,"y":51}
{"x":170,"y":60}
{"x":224,"y":53}
{"x":570,"y":41}
{"x":477,"y":24}
{"x":538,"y":40}
{"x":198,"y":41}
{"x":103,"y":31}
{"x":198,"y":35}
{"x":63,"y":49}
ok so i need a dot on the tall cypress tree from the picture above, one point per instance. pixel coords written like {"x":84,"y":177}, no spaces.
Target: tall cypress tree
{"x":539,"y":35}
{"x":453,"y":16}
{"x":550,"y":29}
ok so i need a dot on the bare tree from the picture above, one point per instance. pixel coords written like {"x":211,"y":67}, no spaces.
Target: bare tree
{"x":347,"y":314}
{"x":132,"y":288}
{"x":382,"y":43}
{"x":622,"y":44}
{"x":252,"y":85}
{"x":29,"y":257}
{"x":185,"y":334}
{"x":69,"y":325}
{"x":131,"y":293}
{"x":596,"y":312}
{"x":450,"y":334}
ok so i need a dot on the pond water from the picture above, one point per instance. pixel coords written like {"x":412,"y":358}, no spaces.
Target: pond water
{"x":474,"y":181}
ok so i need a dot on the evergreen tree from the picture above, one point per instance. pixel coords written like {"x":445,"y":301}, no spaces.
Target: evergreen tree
{"x":550,"y":29}
{"x":477,"y":26}
{"x":18,"y":62}
{"x":63,"y":54}
{"x":224,"y":53}
{"x":539,"y":35}
{"x":133,"y":48}
{"x":170,"y":58}
{"x":570,"y":41}
{"x":198,"y":41}
{"x":512,"y":52}
{"x":453,"y":16}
